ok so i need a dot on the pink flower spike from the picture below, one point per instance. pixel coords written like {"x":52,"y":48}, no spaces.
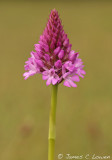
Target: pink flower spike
{"x":53,"y":57}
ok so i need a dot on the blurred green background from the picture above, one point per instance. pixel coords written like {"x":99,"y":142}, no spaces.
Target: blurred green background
{"x":84,"y":114}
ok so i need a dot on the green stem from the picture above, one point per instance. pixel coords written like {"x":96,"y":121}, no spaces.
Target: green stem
{"x":52,"y":123}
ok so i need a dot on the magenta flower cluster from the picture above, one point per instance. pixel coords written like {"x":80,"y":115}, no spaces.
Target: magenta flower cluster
{"x":53,"y":57}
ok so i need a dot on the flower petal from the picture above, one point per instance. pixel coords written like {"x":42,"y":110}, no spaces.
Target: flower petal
{"x":56,"y":51}
{"x":75,"y":78}
{"x":61,"y":54}
{"x":66,"y":83}
{"x":54,"y":81}
{"x":28,"y":74}
{"x":72,"y":83}
{"x":44,"y":77}
{"x":49,"y":81}
{"x":58,"y":64}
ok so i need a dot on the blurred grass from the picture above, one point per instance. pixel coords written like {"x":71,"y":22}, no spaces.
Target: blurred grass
{"x":83,"y":114}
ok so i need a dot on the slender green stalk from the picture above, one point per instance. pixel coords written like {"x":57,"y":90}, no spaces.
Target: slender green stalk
{"x":52,"y":123}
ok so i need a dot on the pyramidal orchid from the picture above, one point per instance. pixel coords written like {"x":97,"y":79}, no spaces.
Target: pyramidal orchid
{"x":53,"y":57}
{"x":58,"y":63}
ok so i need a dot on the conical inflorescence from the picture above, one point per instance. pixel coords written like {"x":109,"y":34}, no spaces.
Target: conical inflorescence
{"x":53,"y":57}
